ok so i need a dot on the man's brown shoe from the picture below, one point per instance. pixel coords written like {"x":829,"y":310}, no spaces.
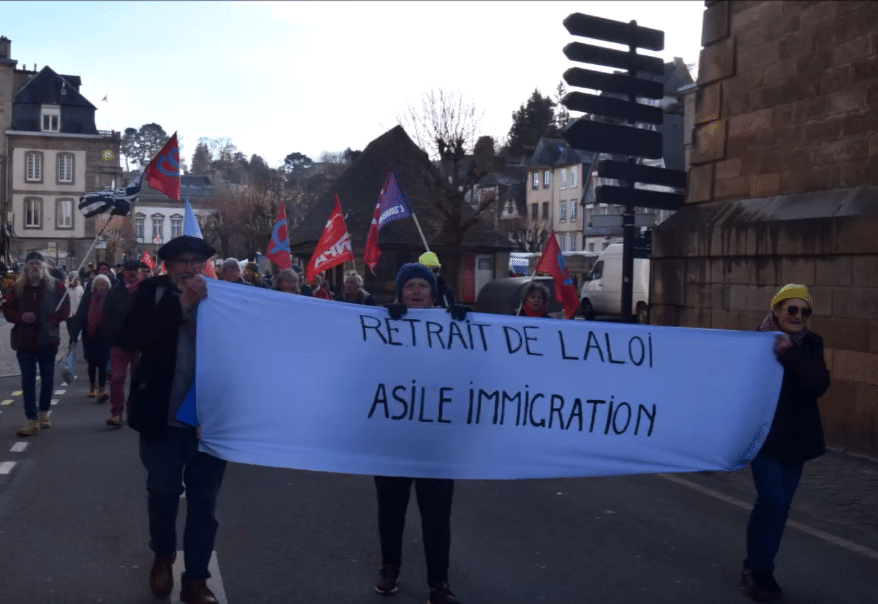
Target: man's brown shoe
{"x":43,"y":419}
{"x":161,"y":575}
{"x":30,"y":428}
{"x":115,"y":420}
{"x":197,"y":592}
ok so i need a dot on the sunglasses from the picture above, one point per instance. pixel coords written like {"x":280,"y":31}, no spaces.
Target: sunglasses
{"x":794,"y":310}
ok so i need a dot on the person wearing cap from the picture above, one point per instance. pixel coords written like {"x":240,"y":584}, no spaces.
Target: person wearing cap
{"x":444,"y":293}
{"x":161,"y":327}
{"x":91,"y":321}
{"x":33,"y":307}
{"x":119,"y":303}
{"x":416,"y":288}
{"x":796,"y":436}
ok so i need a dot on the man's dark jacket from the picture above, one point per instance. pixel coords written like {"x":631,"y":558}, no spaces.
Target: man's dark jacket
{"x":151,"y":328}
{"x":796,"y":433}
{"x":118,"y":305}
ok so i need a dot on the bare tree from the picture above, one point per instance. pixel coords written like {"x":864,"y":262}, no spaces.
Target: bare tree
{"x":446,"y":126}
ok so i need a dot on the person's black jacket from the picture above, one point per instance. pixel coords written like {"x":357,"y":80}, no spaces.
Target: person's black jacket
{"x":118,"y":305}
{"x":362,"y":297}
{"x":796,"y":433}
{"x":99,"y":345}
{"x":151,"y":328}
{"x":444,"y":294}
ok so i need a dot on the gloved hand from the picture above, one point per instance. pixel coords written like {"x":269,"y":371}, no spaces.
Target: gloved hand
{"x":396,"y":310}
{"x":458,"y":311}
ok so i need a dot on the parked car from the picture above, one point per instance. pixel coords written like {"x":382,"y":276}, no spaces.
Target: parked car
{"x":503,"y":296}
{"x":601,"y":292}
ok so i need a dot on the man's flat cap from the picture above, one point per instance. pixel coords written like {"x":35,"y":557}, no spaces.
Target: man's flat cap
{"x":133,"y":265}
{"x":185,"y":244}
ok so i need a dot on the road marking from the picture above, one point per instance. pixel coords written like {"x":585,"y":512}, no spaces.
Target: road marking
{"x":848,"y":545}
{"x":6,"y":466}
{"x":215,"y":583}
{"x":16,"y":393}
{"x":54,"y":401}
{"x":60,"y":391}
{"x":18,"y":447}
{"x":6,"y":402}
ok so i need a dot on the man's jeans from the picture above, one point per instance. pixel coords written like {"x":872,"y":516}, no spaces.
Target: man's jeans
{"x":170,"y":464}
{"x":775,"y":486}
{"x":28,"y":362}
{"x":120,"y":359}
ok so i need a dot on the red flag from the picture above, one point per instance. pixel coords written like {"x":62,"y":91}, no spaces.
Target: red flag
{"x":372,"y":251}
{"x":334,"y":246}
{"x":392,"y":205}
{"x":163,"y":270}
{"x":147,"y":259}
{"x":163,"y":172}
{"x":552,"y":263}
{"x":208,"y":270}
{"x":278,"y":250}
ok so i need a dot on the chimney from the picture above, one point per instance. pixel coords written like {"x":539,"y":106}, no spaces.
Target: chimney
{"x":5,"y":47}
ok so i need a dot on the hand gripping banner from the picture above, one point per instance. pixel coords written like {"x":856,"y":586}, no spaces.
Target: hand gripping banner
{"x":344,"y":388}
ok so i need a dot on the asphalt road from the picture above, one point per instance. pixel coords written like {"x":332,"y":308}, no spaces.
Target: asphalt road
{"x":73,"y":530}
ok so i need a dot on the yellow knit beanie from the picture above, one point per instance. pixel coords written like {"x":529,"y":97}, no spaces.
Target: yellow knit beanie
{"x":792,"y":290}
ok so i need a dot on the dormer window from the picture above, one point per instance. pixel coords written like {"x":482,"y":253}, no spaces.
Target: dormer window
{"x":51,"y":118}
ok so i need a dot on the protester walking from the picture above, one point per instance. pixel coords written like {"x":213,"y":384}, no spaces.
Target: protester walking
{"x":353,"y":290}
{"x":416,"y":288}
{"x":161,"y":326}
{"x":33,"y":307}
{"x":796,"y":436}
{"x":90,"y":321}
{"x":320,"y":288}
{"x":122,"y":357}
{"x":231,"y":272}
{"x":251,"y":275}
{"x":535,"y":301}
{"x":287,"y":280}
{"x":74,"y":292}
{"x":444,"y":293}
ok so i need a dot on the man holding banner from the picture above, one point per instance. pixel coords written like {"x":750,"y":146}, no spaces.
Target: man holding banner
{"x":161,"y":327}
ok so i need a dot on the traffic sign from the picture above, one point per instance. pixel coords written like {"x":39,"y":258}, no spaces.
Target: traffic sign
{"x":610,"y":107}
{"x":611,"y":138}
{"x":640,"y":198}
{"x":621,"y":170}
{"x":608,"y":30}
{"x":614,"y":82}
{"x":601,"y":221}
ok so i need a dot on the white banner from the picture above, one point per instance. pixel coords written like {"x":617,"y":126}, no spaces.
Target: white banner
{"x":297,"y":382}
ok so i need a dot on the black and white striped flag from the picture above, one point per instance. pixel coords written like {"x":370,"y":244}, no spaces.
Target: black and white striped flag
{"x":118,"y":201}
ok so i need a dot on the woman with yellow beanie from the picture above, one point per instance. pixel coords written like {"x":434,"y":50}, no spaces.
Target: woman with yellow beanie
{"x":796,"y":436}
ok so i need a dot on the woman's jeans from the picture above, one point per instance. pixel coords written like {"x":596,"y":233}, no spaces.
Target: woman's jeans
{"x":28,"y":362}
{"x":775,"y":486}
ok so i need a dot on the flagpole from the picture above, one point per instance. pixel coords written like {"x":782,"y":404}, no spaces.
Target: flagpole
{"x":420,"y":232}
{"x":84,"y":258}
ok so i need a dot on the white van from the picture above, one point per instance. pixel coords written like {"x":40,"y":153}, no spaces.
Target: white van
{"x":601,"y":292}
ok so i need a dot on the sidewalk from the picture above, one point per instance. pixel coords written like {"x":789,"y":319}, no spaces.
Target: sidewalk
{"x":8,"y":362}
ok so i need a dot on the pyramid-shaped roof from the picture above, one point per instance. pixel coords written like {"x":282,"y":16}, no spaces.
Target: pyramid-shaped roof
{"x":49,"y":88}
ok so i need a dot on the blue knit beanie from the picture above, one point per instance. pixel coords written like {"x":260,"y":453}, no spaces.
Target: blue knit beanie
{"x":414,"y":270}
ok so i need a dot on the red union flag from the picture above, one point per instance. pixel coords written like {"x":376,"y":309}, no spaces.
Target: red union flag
{"x":334,"y":246}
{"x":278,"y":250}
{"x":147,"y":259}
{"x":163,"y":172}
{"x":552,"y":263}
{"x":392,"y":205}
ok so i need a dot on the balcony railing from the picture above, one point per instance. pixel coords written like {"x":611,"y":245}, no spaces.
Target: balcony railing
{"x":108,"y":133}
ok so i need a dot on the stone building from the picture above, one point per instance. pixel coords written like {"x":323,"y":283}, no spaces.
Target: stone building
{"x":51,"y":154}
{"x":783,"y":188}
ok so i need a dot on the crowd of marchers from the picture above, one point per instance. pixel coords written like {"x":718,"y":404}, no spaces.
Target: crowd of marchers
{"x":141,"y":322}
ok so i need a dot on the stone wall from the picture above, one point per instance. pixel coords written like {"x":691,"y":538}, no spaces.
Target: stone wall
{"x":783,"y":187}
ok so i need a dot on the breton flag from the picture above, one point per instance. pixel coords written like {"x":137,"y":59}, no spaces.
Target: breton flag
{"x":392,"y":205}
{"x":552,"y":263}
{"x":163,"y":172}
{"x":190,"y":227}
{"x":278,"y":250}
{"x":147,"y":259}
{"x":334,"y":246}
{"x":118,"y":201}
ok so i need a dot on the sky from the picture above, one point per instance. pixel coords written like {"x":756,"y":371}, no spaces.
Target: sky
{"x":308,"y":77}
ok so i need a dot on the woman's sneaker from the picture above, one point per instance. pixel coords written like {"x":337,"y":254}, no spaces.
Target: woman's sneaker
{"x":760,"y":585}
{"x":440,"y":594}
{"x":388,"y":580}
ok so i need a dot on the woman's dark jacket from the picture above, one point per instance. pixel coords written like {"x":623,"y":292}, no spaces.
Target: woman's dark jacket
{"x":151,"y":328}
{"x":796,"y":433}
{"x":96,"y":347}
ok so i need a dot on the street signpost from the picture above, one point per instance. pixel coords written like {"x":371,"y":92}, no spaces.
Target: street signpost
{"x":630,"y":140}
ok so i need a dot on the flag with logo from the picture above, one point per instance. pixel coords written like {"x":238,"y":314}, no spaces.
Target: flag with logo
{"x":191,"y":228}
{"x":552,"y":263}
{"x":118,"y":201}
{"x":334,"y":246}
{"x":163,"y":172}
{"x":278,"y":250}
{"x":147,"y":259}
{"x":392,"y":205}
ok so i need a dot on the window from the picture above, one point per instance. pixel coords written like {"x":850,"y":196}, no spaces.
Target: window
{"x":158,"y":222}
{"x":547,"y":178}
{"x":587,"y":217}
{"x":64,"y":214}
{"x":33,"y":166}
{"x":65,"y":168}
{"x":139,"y":220}
{"x":573,"y":179}
{"x":176,"y":226}
{"x":545,"y":210}
{"x":573,"y":205}
{"x":562,"y":211}
{"x":564,"y":178}
{"x":534,"y":212}
{"x":535,"y":184}
{"x":51,"y":118}
{"x":33,"y":211}
{"x":591,"y":247}
{"x":598,"y":271}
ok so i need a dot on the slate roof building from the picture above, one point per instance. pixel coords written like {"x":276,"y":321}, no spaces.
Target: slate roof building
{"x":485,"y":253}
{"x":52,"y":154}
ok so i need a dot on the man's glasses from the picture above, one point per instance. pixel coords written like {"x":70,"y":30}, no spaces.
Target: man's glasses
{"x":794,"y":310}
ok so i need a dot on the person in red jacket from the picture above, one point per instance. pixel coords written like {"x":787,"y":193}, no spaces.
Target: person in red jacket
{"x":33,"y":306}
